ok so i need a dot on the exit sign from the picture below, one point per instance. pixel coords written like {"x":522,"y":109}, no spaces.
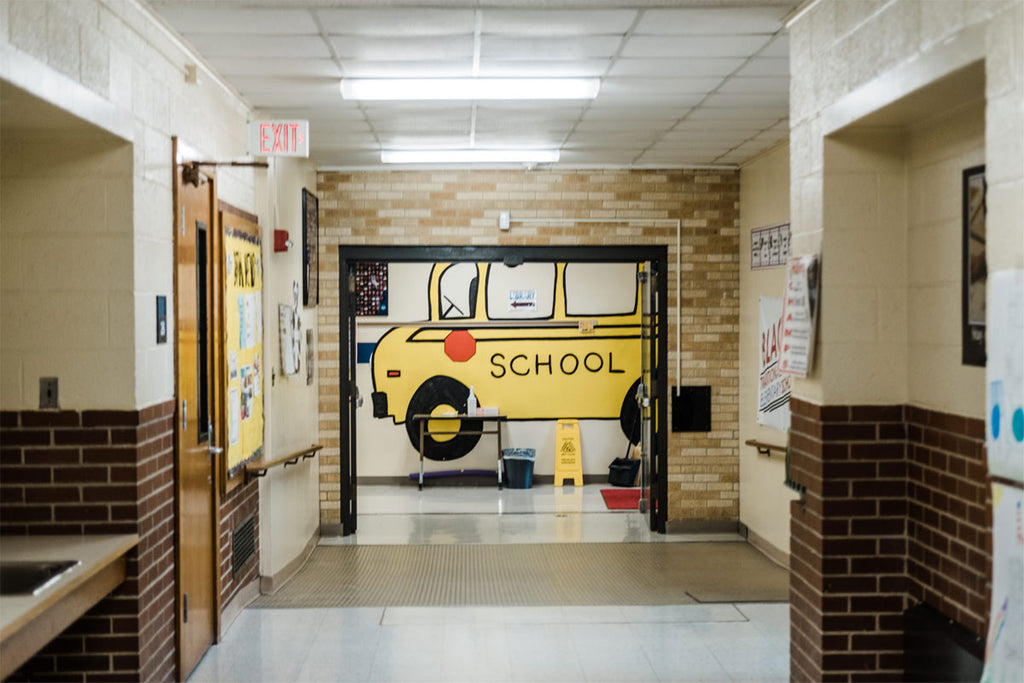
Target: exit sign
{"x":279,"y":138}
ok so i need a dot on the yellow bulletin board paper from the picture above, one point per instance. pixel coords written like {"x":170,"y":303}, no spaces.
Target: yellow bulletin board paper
{"x":244,"y":344}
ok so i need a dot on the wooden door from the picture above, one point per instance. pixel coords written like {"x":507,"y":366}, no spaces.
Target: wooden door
{"x":196,"y":361}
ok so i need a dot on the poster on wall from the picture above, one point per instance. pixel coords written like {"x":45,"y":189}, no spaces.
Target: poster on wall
{"x":1004,"y":433}
{"x":799,"y":313}
{"x":289,"y":338}
{"x":769,"y":246}
{"x":371,"y":288}
{"x":1004,"y":648}
{"x":774,"y":388}
{"x":975,"y":266}
{"x":244,"y":341}
{"x":310,"y":249}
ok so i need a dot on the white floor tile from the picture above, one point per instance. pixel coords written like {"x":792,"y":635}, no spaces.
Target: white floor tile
{"x":553,"y":643}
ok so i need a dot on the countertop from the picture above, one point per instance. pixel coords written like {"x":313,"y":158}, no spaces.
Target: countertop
{"x":24,"y":619}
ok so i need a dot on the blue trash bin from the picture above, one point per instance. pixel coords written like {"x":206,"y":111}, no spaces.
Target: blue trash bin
{"x":518,"y":467}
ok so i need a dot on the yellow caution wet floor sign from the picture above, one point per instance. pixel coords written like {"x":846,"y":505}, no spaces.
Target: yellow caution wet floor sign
{"x":568,"y":456}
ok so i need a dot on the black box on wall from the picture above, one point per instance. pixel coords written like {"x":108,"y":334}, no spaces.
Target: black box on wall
{"x":691,"y":409}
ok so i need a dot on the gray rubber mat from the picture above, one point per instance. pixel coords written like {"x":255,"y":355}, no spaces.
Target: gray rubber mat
{"x":542,"y":574}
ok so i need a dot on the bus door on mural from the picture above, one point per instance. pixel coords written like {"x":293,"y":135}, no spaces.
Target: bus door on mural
{"x":538,"y":341}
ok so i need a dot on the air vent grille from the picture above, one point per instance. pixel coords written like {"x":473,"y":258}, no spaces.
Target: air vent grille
{"x":243,"y":544}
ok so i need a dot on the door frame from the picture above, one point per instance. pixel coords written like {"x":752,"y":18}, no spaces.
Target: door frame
{"x":349,"y":254}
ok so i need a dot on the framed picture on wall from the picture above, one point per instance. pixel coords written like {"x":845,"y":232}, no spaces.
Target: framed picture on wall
{"x":310,"y":249}
{"x":975,"y":269}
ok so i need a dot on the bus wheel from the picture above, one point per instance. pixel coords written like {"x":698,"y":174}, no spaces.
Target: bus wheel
{"x":438,"y":395}
{"x":629,"y":414}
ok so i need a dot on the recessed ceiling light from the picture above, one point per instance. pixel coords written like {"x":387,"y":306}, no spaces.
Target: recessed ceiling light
{"x":469,"y":156}
{"x":470,"y":88}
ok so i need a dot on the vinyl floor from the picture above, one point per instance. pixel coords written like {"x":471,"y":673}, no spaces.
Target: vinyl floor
{"x":546,"y":530}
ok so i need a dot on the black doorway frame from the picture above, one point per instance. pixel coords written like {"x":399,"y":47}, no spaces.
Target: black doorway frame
{"x":657,"y":255}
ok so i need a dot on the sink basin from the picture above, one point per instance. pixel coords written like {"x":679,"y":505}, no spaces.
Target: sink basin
{"x":30,"y":578}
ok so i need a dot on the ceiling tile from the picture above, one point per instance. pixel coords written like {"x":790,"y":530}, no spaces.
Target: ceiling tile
{"x":778,"y":47}
{"x":262,"y":45}
{"x":597,"y":157}
{"x":518,"y":140}
{"x":557,"y":23}
{"x":673,"y":137}
{"x":666,"y":86}
{"x":613,"y":126}
{"x":338,"y":111}
{"x":711,"y":20}
{"x":249,"y":66}
{"x":355,"y":68}
{"x":767,"y":115}
{"x":556,"y":48}
{"x":748,"y":99}
{"x":440,"y":140}
{"x":195,"y":18}
{"x":693,"y":46}
{"x":765,"y":66}
{"x":430,"y":48}
{"x":755,"y":85}
{"x":623,"y":113}
{"x":577,"y":68}
{"x":355,"y":140}
{"x":648,"y":99}
{"x":675,"y":68}
{"x":391,"y":22}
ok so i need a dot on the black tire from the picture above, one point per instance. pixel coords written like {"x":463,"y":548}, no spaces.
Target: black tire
{"x":629,"y":415}
{"x":439,"y":391}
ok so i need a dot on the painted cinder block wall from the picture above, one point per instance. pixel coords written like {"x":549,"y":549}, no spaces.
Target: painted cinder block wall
{"x":461,"y":208}
{"x":86,"y":239}
{"x":896,"y":510}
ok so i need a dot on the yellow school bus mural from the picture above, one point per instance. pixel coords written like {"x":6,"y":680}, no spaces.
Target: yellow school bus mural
{"x":516,"y":337}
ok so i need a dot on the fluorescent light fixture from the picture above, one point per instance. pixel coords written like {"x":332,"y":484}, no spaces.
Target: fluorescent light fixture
{"x":470,"y":88}
{"x":469,"y":156}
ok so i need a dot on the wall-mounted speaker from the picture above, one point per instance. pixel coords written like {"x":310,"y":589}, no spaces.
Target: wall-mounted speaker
{"x":691,"y":409}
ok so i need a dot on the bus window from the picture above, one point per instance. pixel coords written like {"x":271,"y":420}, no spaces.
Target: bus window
{"x":600,"y":288}
{"x":524,"y":292}
{"x":457,"y":290}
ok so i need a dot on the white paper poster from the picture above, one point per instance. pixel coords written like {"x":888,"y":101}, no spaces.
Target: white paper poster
{"x":1004,"y":433}
{"x":1004,"y":649}
{"x":236,"y":415}
{"x":773,"y":391}
{"x":798,"y":315}
{"x":289,"y":341}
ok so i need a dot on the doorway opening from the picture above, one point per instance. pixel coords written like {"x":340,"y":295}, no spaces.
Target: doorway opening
{"x":514,"y":324}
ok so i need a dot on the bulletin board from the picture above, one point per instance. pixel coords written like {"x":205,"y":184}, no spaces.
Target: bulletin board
{"x":243,"y":316}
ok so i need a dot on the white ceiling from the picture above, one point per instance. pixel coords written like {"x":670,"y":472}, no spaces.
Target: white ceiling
{"x":684,"y":83}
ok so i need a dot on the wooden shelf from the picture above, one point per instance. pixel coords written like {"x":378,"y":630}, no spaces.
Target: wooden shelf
{"x":258,"y":468}
{"x":764,"y":448}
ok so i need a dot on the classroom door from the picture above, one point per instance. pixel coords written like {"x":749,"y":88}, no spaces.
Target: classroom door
{"x":194,"y":435}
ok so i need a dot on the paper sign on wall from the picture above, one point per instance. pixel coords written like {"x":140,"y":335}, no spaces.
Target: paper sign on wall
{"x":1004,"y":433}
{"x":774,"y":389}
{"x":1004,"y":651}
{"x":799,"y":312}
{"x":522,"y":299}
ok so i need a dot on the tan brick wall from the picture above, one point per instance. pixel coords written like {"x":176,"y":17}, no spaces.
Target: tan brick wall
{"x":461,"y":208}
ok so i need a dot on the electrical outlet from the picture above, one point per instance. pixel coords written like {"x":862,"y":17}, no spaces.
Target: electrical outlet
{"x":48,"y":397}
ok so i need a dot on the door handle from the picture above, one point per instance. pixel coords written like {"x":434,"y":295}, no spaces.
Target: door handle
{"x":184,"y":414}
